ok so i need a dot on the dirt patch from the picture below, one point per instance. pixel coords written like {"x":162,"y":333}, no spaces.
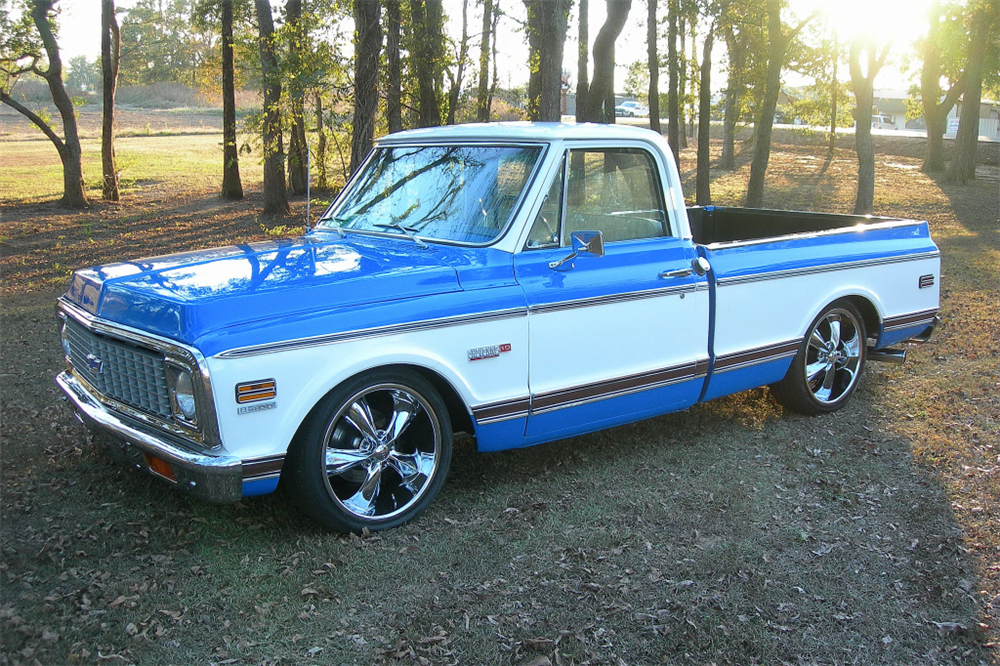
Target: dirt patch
{"x":731,"y":533}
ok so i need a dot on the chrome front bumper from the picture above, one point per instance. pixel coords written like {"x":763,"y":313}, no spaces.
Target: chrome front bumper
{"x":217,"y":479}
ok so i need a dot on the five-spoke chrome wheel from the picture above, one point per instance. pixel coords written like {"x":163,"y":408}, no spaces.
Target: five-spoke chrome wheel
{"x":825,"y":372}
{"x":381,"y":449}
{"x":372,"y":454}
{"x":833,"y":355}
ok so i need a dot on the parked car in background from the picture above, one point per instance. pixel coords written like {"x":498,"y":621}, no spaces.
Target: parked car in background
{"x":518,"y":282}
{"x":883,"y":122}
{"x":631,"y":109}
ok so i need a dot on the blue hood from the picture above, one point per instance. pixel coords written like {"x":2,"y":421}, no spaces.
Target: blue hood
{"x":184,"y":296}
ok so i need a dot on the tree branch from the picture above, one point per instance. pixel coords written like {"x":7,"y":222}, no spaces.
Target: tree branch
{"x":33,"y":117}
{"x":801,"y":25}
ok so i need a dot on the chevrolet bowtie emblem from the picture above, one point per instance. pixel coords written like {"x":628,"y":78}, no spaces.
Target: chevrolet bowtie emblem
{"x":95,"y":364}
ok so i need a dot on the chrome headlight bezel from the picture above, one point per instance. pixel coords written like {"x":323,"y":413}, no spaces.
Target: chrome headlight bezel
{"x":183,"y":394}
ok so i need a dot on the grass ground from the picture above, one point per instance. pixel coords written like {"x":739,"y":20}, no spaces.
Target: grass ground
{"x":733,"y":533}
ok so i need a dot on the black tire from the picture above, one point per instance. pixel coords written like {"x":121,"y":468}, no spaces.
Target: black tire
{"x":827,"y":368}
{"x":372,"y":454}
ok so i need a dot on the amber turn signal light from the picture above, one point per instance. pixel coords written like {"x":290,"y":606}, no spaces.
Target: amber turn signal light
{"x":262,"y":389}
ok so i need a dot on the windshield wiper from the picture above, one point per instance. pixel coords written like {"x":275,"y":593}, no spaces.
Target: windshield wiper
{"x":407,"y":231}
{"x":339,"y":222}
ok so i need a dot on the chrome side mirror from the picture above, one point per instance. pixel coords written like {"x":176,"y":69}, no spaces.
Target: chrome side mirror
{"x":589,"y":243}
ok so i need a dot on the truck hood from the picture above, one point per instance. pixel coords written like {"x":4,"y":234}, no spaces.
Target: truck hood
{"x":183,"y":296}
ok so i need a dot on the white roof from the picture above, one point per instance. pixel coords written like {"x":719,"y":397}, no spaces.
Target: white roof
{"x":522,"y":131}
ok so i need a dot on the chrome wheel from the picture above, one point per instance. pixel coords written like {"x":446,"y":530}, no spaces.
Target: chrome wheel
{"x":372,"y":454}
{"x":381,"y":450}
{"x":833,"y":355}
{"x":825,"y":372}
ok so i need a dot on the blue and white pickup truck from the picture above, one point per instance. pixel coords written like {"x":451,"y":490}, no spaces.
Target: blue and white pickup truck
{"x":519,"y":282}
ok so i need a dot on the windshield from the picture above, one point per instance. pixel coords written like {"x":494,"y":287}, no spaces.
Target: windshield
{"x":455,"y":193}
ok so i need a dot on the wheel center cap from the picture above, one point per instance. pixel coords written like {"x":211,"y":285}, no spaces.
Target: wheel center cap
{"x":382,"y":451}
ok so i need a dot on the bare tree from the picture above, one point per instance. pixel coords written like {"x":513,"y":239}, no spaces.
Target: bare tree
{"x":864,"y":87}
{"x":547,"y":23}
{"x":110,"y":58}
{"x":463,"y":54}
{"x":367,"y":45}
{"x":673,"y":108}
{"x":653,"y":59}
{"x":703,"y":194}
{"x":778,"y":41}
{"x":602,"y":88}
{"x":834,"y":88}
{"x":232,"y":186}
{"x":275,"y":195}
{"x":26,"y":56}
{"x":583,"y":60}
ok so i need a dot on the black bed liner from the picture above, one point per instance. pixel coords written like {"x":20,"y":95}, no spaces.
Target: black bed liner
{"x":720,"y":224}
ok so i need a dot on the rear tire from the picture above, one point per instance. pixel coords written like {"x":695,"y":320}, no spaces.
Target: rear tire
{"x":372,"y":454}
{"x":827,"y":368}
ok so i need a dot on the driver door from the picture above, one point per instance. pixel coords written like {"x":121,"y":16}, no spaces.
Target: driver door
{"x":618,"y":337}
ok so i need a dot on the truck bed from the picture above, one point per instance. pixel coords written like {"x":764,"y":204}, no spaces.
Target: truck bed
{"x":720,"y":224}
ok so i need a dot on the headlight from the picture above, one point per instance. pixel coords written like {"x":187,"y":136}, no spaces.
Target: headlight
{"x":64,"y":338}
{"x":183,"y":396}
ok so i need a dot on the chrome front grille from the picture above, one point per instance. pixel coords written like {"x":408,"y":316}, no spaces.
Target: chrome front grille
{"x":121,"y":371}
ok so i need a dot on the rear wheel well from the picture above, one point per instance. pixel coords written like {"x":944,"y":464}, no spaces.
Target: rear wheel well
{"x":869,"y":314}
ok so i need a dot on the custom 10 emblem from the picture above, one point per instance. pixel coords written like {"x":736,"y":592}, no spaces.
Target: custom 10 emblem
{"x":489,"y":351}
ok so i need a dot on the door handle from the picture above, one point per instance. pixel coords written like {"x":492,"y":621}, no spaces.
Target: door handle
{"x":682,"y":272}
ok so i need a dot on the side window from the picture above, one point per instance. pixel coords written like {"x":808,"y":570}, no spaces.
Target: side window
{"x":545,"y":229}
{"x":616,"y":192}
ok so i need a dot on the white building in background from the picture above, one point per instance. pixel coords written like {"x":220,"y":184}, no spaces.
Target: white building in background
{"x":892,"y":104}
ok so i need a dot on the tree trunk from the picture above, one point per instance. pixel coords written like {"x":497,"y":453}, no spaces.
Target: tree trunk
{"x":367,"y":45}
{"x":463,"y":53}
{"x":602,"y":88}
{"x":547,"y":23}
{"x":275,"y":195}
{"x":428,"y":55}
{"x":495,"y":84}
{"x":69,"y":147}
{"x":394,"y":86}
{"x":110,"y":50}
{"x":673,"y":112}
{"x":321,"y":181}
{"x":653,"y":60}
{"x":583,"y":61}
{"x":232,"y":186}
{"x":864,"y":87}
{"x":936,"y":113}
{"x":963,"y":163}
{"x":833,"y":96}
{"x":737,"y":64}
{"x":703,"y":195}
{"x":777,"y":47}
{"x":681,"y":85}
{"x":483,"y":88}
{"x":298,"y":160}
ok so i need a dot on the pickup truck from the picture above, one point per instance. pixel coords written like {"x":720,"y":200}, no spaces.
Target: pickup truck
{"x":521,"y":283}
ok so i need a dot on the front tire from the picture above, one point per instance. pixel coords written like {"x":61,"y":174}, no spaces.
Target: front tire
{"x":827,"y":368}
{"x":372,"y":454}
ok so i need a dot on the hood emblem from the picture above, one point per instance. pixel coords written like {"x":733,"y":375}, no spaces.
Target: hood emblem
{"x":95,"y":363}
